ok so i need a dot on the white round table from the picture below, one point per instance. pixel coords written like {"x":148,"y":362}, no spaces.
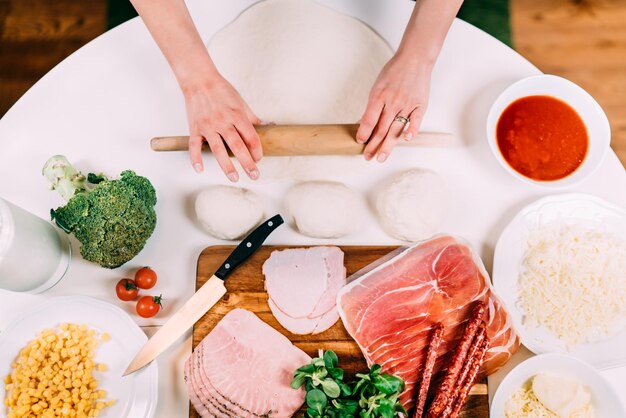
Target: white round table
{"x":102,"y":104}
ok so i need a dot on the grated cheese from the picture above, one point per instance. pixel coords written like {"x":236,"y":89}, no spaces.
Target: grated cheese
{"x":573,"y":282}
{"x":523,"y":403}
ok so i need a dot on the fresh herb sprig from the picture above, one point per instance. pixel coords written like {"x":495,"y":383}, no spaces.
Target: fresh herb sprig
{"x":372,"y":395}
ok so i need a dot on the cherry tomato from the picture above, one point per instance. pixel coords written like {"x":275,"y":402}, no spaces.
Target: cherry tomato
{"x":145,"y":278}
{"x":126,"y":289}
{"x":148,"y":306}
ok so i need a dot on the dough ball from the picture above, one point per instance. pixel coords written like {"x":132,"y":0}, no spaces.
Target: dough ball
{"x":228,"y":212}
{"x":413,"y":205}
{"x":324,"y":209}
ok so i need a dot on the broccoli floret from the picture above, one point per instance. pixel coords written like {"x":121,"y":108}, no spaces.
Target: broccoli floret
{"x":111,"y":218}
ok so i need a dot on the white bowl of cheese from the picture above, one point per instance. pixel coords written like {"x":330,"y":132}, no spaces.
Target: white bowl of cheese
{"x":552,"y":273}
{"x":566,"y":385}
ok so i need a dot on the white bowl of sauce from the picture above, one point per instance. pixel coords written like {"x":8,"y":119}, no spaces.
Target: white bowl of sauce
{"x":546,"y":130}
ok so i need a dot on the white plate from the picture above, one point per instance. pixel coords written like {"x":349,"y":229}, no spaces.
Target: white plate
{"x":605,"y":400}
{"x":590,"y":111}
{"x":135,"y":395}
{"x":568,"y":208}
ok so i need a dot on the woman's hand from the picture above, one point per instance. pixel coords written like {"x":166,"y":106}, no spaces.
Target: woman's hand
{"x":401,"y":90}
{"x":218,"y":115}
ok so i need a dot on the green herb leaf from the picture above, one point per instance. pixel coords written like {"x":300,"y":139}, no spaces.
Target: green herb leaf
{"x":318,"y":362}
{"x":400,"y":409}
{"x":308,"y":369}
{"x":313,"y":413}
{"x":346,"y":390}
{"x":375,"y":370}
{"x":317,"y":400}
{"x":330,"y":359}
{"x":335,"y":372}
{"x":331,"y":388}
{"x":298,"y":380}
{"x":387,"y":383}
{"x":385,"y":409}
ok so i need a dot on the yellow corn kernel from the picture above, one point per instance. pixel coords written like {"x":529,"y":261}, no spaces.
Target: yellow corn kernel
{"x":52,"y":375}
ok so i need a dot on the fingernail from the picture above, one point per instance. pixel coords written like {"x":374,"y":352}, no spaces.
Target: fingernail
{"x":381,"y":157}
{"x":408,"y":136}
{"x":197,"y":167}
{"x":254,"y":174}
{"x":233,"y":176}
{"x":368,"y":157}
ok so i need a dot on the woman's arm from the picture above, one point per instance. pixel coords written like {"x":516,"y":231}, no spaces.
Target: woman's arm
{"x":215,"y":111}
{"x":403,"y":85}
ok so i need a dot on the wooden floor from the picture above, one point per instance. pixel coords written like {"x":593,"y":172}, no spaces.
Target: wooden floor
{"x":583,"y":40}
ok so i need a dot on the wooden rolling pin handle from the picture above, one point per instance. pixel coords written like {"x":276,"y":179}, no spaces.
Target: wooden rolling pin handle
{"x":284,"y":140}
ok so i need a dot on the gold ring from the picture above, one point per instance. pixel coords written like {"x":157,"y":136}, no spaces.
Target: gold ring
{"x":401,"y":119}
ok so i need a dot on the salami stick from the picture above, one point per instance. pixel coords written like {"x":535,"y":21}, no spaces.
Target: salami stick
{"x":467,"y":366}
{"x":427,"y":371}
{"x":469,"y":381}
{"x":442,"y":397}
{"x":481,"y":336}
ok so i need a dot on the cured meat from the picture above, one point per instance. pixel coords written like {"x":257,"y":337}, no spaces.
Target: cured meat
{"x":459,"y":358}
{"x":427,"y":371}
{"x":243,"y":368}
{"x":391,"y":310}
{"x":305,"y":325}
{"x":302,"y":285}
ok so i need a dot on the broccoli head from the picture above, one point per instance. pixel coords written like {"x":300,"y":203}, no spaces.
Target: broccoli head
{"x":111,"y":218}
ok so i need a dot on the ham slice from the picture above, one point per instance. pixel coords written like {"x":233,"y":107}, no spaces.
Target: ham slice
{"x":304,"y":326}
{"x":243,"y":368}
{"x":391,"y":310}
{"x":302,"y":285}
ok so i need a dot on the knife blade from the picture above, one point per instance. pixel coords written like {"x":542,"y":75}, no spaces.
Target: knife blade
{"x":208,"y":295}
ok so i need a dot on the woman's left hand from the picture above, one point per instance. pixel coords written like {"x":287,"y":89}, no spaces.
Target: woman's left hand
{"x":401,"y":89}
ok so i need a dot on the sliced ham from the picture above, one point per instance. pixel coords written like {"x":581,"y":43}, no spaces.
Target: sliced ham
{"x":296,"y":279}
{"x":391,"y":310}
{"x":200,"y":403}
{"x":243,"y":368}
{"x":302,"y":285}
{"x":304,"y":326}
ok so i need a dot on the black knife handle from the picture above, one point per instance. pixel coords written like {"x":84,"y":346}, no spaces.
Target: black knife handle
{"x":248,"y":246}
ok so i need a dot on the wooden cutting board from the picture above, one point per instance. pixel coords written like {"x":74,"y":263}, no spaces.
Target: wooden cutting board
{"x":246,"y":290}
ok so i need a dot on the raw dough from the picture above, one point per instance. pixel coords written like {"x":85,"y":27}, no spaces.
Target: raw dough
{"x":413,"y":205}
{"x":228,"y":212}
{"x":324,"y":209}
{"x":295,"y":61}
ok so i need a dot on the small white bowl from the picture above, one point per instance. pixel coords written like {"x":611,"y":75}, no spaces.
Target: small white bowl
{"x":605,"y":401}
{"x":594,"y":118}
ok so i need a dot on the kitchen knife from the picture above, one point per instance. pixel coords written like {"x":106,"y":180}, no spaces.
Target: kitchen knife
{"x":207,"y":296}
{"x":289,"y":140}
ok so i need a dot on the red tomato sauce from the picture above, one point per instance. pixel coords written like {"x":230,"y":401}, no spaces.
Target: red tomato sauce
{"x":542,"y":137}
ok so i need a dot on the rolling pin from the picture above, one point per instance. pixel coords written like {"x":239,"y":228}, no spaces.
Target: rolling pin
{"x":288,"y":140}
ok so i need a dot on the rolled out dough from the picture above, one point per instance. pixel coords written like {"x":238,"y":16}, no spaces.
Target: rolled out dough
{"x":297,"y":62}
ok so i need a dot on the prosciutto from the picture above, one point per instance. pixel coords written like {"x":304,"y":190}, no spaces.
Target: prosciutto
{"x":302,"y":286}
{"x":243,"y":368}
{"x":391,"y":310}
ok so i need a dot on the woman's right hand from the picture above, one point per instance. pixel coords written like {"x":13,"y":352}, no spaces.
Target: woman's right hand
{"x":218,"y":115}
